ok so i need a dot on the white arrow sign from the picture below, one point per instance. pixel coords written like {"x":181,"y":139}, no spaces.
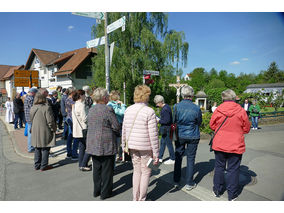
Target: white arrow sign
{"x":115,"y":25}
{"x":96,"y":42}
{"x":97,"y":15}
{"x":147,"y":72}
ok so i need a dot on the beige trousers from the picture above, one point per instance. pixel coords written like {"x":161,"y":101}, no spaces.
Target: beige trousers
{"x":141,"y":173}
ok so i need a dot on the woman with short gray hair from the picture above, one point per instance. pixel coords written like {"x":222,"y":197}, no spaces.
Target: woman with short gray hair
{"x":230,"y":122}
{"x":103,"y":128}
{"x":187,"y":92}
{"x":166,"y":120}
{"x":88,"y":99}
{"x":228,"y":95}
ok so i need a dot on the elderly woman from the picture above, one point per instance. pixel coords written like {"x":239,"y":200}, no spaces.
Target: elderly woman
{"x":188,"y":118}
{"x":228,"y":143}
{"x":140,"y":132}
{"x":103,"y":128}
{"x":88,"y":99}
{"x":119,"y":109}
{"x":79,"y":118}
{"x":42,"y":130}
{"x":165,"y":121}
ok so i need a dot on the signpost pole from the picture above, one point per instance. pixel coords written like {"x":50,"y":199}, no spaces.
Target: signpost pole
{"x":107,"y":55}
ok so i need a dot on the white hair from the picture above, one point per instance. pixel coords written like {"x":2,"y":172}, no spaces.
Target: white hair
{"x":228,"y":95}
{"x":187,"y":92}
{"x":99,"y":94}
{"x":86,"y":88}
{"x":159,"y":99}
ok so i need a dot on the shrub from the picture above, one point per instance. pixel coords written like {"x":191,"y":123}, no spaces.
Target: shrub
{"x":205,"y":127}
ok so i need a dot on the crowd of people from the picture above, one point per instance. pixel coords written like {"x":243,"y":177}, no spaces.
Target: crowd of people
{"x":97,"y":126}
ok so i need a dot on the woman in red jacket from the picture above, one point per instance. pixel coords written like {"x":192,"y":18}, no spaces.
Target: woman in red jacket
{"x":228,"y":143}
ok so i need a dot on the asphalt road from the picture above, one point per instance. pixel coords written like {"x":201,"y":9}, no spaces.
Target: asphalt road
{"x":261,"y":178}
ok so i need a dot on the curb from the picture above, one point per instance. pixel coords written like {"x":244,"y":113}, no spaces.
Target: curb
{"x":14,"y":143}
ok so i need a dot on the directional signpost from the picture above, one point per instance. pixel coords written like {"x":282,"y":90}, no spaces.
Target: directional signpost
{"x":96,"y":15}
{"x":25,"y":78}
{"x":151,"y":72}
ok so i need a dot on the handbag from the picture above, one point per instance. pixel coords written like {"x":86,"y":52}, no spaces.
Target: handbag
{"x":84,"y":131}
{"x":211,"y":141}
{"x":173,"y":129}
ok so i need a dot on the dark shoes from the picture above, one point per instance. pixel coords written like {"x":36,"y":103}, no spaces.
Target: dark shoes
{"x":47,"y":168}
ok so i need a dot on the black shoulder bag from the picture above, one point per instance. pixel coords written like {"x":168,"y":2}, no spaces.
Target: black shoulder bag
{"x":211,"y":141}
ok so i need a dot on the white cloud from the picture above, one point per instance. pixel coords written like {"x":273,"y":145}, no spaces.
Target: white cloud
{"x":245,"y":59}
{"x":235,"y":63}
{"x":70,"y":28}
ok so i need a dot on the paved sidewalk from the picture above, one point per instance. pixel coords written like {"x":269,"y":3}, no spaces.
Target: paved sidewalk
{"x":20,"y":142}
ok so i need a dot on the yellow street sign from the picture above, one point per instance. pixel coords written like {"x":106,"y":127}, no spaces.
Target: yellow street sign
{"x":25,"y":73}
{"x":25,"y":82}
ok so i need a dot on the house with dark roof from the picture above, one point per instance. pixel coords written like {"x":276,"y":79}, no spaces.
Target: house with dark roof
{"x":67,"y":69}
{"x":265,"y":88}
{"x":187,"y":77}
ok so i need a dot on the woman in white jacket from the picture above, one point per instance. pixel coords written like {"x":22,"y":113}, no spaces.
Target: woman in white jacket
{"x":79,"y":117}
{"x":9,"y":110}
{"x":141,"y":133}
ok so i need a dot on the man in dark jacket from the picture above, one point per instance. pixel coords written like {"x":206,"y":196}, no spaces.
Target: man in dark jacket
{"x":63,"y":112}
{"x":19,"y":111}
{"x":246,"y":106}
{"x":188,"y":117}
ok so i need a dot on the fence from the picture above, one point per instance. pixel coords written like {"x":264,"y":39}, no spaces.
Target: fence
{"x":271,"y":114}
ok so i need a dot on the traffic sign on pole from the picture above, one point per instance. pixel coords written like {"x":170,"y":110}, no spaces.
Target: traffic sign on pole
{"x":115,"y":25}
{"x":95,"y":42}
{"x":151,"y":72}
{"x":97,"y":15}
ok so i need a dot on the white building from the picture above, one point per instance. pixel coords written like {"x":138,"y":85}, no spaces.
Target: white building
{"x":67,"y":69}
{"x":187,"y":77}
{"x":266,"y":89}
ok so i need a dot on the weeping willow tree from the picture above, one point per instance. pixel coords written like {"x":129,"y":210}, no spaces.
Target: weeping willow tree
{"x":142,"y":46}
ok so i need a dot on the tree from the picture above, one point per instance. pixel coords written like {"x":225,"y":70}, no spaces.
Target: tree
{"x":138,"y":48}
{"x":273,"y":74}
{"x":214,"y":83}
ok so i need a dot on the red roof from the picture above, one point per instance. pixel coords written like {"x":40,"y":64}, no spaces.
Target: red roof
{"x":4,"y":69}
{"x":10,"y":73}
{"x":74,"y":58}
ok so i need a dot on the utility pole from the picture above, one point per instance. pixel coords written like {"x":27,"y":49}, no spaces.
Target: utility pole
{"x":107,"y":62}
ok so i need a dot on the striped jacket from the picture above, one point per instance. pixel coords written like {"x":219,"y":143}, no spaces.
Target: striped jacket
{"x":103,"y":129}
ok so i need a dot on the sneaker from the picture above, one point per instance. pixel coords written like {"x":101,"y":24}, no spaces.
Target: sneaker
{"x":176,"y":185}
{"x":234,"y":199}
{"x":161,"y":160}
{"x":85,"y":169}
{"x":189,"y":188}
{"x":47,"y":168}
{"x":74,"y":158}
{"x":216,"y":193}
{"x":170,"y":161}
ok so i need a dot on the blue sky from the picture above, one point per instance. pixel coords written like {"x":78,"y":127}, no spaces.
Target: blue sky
{"x":235,"y":42}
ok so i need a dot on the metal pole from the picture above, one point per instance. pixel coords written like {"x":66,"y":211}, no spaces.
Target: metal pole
{"x":124,"y":94}
{"x":107,"y":55}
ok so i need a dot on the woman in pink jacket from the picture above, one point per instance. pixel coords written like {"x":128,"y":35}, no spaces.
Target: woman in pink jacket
{"x":228,"y":143}
{"x":140,"y":131}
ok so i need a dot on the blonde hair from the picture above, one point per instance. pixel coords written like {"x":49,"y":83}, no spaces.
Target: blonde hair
{"x":114,"y":95}
{"x":99,"y":94}
{"x":142,"y":94}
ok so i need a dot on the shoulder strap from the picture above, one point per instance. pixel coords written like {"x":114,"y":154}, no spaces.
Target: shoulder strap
{"x":73,"y":111}
{"x":134,"y":122}
{"x":220,"y":126}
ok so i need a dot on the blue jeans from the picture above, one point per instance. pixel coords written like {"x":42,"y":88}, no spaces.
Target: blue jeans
{"x":19,"y":116}
{"x":83,"y":157}
{"x":166,"y":141}
{"x":233,"y":172}
{"x":190,"y":152}
{"x":254,"y":122}
{"x":65,"y":131}
{"x":30,"y":147}
{"x":71,"y":151}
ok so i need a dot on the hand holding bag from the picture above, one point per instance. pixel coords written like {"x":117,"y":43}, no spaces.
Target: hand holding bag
{"x":211,"y":141}
{"x":173,"y":130}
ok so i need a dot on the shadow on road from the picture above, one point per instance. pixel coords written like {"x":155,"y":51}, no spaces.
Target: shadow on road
{"x":63,"y":163}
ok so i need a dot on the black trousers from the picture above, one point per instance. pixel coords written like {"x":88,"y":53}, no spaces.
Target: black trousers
{"x":41,"y":157}
{"x":103,"y":175}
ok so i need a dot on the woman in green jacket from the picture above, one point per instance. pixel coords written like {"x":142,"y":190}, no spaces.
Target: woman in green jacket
{"x":254,"y":110}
